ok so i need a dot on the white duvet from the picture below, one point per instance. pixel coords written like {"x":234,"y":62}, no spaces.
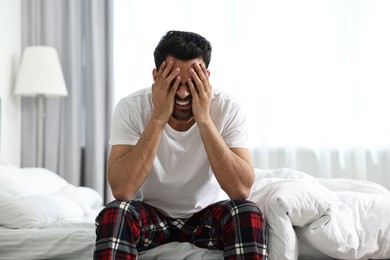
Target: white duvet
{"x":342,"y":218}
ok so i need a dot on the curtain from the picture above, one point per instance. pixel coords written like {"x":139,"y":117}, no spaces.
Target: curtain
{"x":77,"y":126}
{"x":312,"y":75}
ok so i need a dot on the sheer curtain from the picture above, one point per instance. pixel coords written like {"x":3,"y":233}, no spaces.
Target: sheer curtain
{"x":76,"y":127}
{"x":312,"y":75}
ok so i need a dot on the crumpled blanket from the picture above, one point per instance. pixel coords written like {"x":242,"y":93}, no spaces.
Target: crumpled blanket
{"x":342,"y":218}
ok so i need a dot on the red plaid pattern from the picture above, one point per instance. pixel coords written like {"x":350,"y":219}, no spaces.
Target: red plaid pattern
{"x":237,"y":227}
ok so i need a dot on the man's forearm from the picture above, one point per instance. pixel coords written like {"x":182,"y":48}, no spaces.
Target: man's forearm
{"x":127,"y":173}
{"x":233,"y":170}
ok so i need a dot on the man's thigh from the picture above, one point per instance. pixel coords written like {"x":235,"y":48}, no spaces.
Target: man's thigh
{"x":154,"y":226}
{"x":223,"y":223}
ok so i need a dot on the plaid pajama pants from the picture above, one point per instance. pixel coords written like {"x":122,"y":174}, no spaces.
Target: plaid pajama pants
{"x":237,"y":227}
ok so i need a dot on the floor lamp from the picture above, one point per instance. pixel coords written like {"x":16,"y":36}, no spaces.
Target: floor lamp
{"x":40,"y":76}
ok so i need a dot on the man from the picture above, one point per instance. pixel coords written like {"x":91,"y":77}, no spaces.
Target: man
{"x":179,"y":168}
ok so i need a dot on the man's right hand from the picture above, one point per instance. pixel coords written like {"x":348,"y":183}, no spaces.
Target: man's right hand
{"x":166,"y":82}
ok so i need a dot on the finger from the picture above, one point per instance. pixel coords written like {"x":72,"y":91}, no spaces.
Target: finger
{"x":170,"y":79}
{"x":167,"y":69}
{"x":162,"y":67}
{"x":174,"y":87}
{"x":201,"y":71}
{"x":203,"y":75}
{"x":197,"y":80}
{"x":204,"y":70}
{"x":193,"y":89}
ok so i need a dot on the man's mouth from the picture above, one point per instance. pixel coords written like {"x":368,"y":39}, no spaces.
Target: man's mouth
{"x":183,"y":109}
{"x":182,"y":102}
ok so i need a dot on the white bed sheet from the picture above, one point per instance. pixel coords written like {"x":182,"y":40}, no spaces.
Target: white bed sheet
{"x":187,"y":251}
{"x":75,"y":239}
{"x":67,"y":239}
{"x":180,"y":251}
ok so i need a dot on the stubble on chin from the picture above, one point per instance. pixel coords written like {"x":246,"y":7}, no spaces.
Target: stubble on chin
{"x":182,"y":116}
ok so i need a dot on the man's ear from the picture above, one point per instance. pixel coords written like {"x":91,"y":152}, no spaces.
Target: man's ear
{"x":155,"y":74}
{"x":208,"y":73}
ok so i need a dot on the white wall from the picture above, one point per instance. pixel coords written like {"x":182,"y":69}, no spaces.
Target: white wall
{"x":10,"y":53}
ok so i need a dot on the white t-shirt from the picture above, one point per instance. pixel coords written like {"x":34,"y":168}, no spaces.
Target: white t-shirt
{"x":181,"y":181}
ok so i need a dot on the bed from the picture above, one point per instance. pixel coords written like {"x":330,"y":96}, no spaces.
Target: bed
{"x":44,"y":217}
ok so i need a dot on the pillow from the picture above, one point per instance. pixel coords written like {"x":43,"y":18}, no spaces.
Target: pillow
{"x":87,"y":198}
{"x":16,"y":214}
{"x":32,"y":197}
{"x":16,"y":181}
{"x":36,"y":210}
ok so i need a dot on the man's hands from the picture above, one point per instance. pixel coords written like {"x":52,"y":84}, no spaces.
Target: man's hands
{"x":201,"y":92}
{"x":164,"y":89}
{"x":174,"y":74}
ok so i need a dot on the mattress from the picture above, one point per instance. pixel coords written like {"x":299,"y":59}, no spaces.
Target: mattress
{"x":75,"y":239}
{"x":187,"y":251}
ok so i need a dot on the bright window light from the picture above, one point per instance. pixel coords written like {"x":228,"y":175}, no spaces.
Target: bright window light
{"x":308,"y":73}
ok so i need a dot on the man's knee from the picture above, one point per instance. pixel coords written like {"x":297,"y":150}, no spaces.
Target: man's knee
{"x":245,"y":218}
{"x":244,"y":206}
{"x":246,"y":212}
{"x":116,"y":209}
{"x":116,"y":231}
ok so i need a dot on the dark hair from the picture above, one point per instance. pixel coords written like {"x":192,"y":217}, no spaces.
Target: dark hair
{"x":183,"y":46}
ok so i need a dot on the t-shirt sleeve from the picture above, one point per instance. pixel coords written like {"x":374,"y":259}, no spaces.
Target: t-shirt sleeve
{"x":124,"y":128}
{"x":235,"y":132}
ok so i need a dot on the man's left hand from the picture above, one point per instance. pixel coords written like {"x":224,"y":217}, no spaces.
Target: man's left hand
{"x":201,"y":92}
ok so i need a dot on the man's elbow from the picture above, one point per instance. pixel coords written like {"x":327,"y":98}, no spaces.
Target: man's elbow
{"x":240,"y":194}
{"x":122,"y":196}
{"x":121,"y":192}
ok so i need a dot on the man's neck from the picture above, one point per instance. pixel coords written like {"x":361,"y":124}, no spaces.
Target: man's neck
{"x":181,"y":125}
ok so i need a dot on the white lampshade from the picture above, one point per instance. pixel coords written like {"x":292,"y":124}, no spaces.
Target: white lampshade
{"x":40,"y":73}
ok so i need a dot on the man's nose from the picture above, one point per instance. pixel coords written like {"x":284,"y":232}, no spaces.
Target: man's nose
{"x":183,"y":91}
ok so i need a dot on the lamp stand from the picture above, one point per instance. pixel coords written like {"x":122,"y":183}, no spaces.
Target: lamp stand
{"x":41,"y":117}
